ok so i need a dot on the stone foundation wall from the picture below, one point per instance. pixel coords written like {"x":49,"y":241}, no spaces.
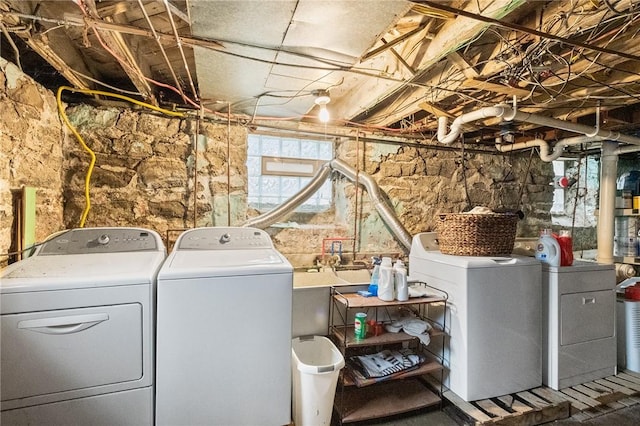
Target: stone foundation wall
{"x":145,"y":170}
{"x":146,"y":166}
{"x":420,"y":183}
{"x":30,"y":153}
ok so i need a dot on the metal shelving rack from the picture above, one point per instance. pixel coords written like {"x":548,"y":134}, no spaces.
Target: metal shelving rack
{"x":403,"y":392}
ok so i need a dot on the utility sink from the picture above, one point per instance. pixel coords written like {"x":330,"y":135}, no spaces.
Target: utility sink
{"x":329,"y":277}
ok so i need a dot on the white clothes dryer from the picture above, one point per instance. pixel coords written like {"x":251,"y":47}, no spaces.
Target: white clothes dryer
{"x":493,"y":319}
{"x":224,"y":330}
{"x":77,"y":329}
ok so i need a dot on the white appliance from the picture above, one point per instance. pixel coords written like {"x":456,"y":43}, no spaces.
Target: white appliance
{"x":224,"y":330}
{"x":579,"y":328}
{"x":77,"y":330}
{"x":493,"y":320}
{"x":628,"y":326}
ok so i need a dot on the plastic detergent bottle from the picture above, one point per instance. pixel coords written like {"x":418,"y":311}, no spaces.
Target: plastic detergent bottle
{"x":402,"y":287}
{"x":566,"y":247}
{"x":548,"y":249}
{"x":375,"y":276}
{"x":385,"y":281}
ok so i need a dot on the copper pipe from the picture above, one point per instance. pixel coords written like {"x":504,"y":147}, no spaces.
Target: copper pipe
{"x":179,"y":43}
{"x":195,"y":169}
{"x":164,"y":53}
{"x":357,"y":185}
{"x":229,"y":166}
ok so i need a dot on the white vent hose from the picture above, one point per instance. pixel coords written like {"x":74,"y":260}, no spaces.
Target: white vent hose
{"x":386,"y":213}
{"x":272,"y":216}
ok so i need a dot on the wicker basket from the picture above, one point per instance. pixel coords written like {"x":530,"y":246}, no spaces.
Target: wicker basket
{"x":465,"y":234}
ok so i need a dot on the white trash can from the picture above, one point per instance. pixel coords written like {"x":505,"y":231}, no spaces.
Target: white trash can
{"x":316,"y":364}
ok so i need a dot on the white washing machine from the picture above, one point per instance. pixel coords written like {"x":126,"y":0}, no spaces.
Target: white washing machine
{"x":77,"y":330}
{"x":224,"y":330}
{"x":493,"y":319}
{"x":579,"y":328}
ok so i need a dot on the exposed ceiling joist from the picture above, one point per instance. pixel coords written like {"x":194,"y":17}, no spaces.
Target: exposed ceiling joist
{"x":133,"y":65}
{"x":175,"y":11}
{"x":496,"y":88}
{"x":389,"y":65}
{"x":44,"y":49}
{"x":463,"y":65}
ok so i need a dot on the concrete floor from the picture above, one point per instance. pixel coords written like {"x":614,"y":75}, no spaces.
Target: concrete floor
{"x":430,"y":416}
{"x":629,"y":416}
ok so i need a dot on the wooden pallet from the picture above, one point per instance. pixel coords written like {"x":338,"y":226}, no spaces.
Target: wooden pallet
{"x":542,"y":405}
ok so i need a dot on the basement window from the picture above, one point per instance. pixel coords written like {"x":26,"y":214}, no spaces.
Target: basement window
{"x":279,"y":167}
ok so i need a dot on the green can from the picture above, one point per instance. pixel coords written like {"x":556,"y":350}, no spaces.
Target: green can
{"x":360,"y":326}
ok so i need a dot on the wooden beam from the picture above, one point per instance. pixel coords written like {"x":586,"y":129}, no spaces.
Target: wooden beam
{"x":400,"y":59}
{"x":454,"y":34}
{"x":430,"y":108}
{"x":390,"y":44}
{"x":583,"y":21}
{"x":40,"y":45}
{"x":176,"y":12}
{"x":467,"y":69}
{"x":131,"y":64}
{"x":495,"y":88}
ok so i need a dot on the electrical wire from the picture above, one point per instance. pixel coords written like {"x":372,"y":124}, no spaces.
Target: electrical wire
{"x":179,"y":43}
{"x":614,"y":10}
{"x":575,"y":199}
{"x":16,"y":51}
{"x":63,"y":114}
{"x":464,"y":175}
{"x":101,"y":83}
{"x":164,"y":53}
{"x":87,"y":178}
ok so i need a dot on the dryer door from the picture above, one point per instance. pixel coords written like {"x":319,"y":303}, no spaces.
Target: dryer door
{"x":63,"y":350}
{"x":587,"y":316}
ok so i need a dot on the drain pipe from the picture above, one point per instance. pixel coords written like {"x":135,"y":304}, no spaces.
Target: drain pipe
{"x":508,"y":114}
{"x":627,"y":149}
{"x":558,"y":147}
{"x":384,"y":210}
{"x":608,"y":175}
{"x":456,"y":125}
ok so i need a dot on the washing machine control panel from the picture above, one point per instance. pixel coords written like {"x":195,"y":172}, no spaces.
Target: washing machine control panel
{"x":101,"y":240}
{"x":220,"y":238}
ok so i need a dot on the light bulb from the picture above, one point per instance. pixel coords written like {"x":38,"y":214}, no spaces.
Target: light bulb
{"x":323,"y":114}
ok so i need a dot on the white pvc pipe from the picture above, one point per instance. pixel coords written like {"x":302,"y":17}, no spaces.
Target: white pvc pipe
{"x":509,"y":114}
{"x":627,"y":149}
{"x":608,"y":175}
{"x":456,"y":125}
{"x":558,"y":147}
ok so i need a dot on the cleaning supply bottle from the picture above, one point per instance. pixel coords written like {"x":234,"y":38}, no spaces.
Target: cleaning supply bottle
{"x":566,"y":247}
{"x":402,"y":287}
{"x":375,"y":276}
{"x":548,"y":249}
{"x":385,"y":281}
